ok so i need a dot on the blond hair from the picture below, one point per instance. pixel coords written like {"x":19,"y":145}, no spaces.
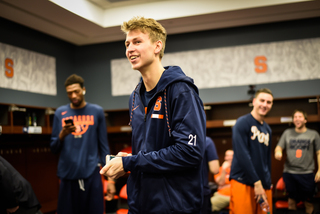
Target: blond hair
{"x":263,"y":90}
{"x":155,"y":29}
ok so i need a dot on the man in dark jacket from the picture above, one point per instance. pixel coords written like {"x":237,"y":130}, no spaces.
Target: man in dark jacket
{"x":168,"y":129}
{"x":16,"y":193}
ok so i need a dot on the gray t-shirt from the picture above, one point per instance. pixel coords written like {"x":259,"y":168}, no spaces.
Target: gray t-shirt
{"x":300,"y":149}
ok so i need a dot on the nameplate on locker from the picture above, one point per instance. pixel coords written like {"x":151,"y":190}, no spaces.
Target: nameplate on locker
{"x":32,"y":130}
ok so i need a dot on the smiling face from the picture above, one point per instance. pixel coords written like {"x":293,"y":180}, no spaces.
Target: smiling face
{"x":140,"y":51}
{"x":299,"y":120}
{"x":262,"y":104}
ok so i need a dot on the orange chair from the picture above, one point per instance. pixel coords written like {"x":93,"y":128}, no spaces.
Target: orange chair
{"x":127,"y":149}
{"x":283,"y":204}
{"x":123,"y":195}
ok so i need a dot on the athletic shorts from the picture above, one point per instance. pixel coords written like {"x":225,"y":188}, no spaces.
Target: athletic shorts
{"x":300,"y":187}
{"x":81,"y":196}
{"x":242,"y":199}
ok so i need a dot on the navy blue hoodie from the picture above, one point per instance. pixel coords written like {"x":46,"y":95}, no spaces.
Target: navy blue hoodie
{"x":168,"y":144}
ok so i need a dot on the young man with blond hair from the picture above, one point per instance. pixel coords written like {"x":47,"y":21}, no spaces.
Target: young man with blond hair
{"x":250,"y":176}
{"x":168,"y":129}
{"x":300,"y":143}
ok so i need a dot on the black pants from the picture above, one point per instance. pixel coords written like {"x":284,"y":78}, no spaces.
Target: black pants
{"x":206,"y":207}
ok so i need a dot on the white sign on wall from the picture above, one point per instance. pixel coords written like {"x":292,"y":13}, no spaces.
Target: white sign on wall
{"x":26,"y":70}
{"x":233,"y":66}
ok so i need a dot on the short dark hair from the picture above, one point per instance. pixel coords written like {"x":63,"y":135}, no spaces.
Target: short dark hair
{"x":73,"y":79}
{"x":263,"y":90}
{"x":301,"y":111}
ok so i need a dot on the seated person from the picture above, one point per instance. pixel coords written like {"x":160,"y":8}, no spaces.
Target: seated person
{"x":211,"y":163}
{"x":221,"y":198}
{"x":16,"y":193}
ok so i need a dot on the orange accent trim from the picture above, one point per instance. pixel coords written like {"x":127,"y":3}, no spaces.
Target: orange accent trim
{"x":158,"y":116}
{"x":135,"y":108}
{"x":145,"y":110}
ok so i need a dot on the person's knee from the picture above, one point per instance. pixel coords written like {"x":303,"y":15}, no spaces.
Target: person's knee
{"x":219,"y":202}
{"x":214,"y":203}
{"x":214,"y":207}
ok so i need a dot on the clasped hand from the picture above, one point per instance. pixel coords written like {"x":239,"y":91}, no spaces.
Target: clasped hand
{"x":114,"y":168}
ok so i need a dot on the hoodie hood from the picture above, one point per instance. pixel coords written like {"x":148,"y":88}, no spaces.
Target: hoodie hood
{"x":173,"y":74}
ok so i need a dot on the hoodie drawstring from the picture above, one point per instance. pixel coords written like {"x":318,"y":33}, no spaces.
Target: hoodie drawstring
{"x":132,"y":107}
{"x":81,"y":184}
{"x":167,"y":118}
{"x":165,"y":104}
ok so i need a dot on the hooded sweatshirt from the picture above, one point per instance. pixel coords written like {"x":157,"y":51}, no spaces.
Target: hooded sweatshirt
{"x":168,"y":144}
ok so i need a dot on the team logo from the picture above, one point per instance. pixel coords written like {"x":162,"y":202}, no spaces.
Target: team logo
{"x":81,"y":122}
{"x":157,"y":107}
{"x":261,"y":137}
{"x":299,"y":145}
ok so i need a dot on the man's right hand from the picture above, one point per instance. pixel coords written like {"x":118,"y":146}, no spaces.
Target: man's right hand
{"x":67,"y":129}
{"x":259,"y":192}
